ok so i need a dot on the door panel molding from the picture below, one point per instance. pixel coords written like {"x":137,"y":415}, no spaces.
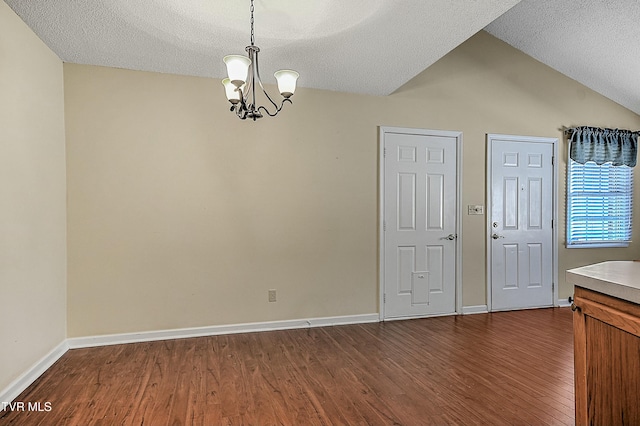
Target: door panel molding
{"x":533,"y":160}
{"x":432,"y":220}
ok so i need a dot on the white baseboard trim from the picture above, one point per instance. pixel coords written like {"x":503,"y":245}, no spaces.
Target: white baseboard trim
{"x":477,"y":309}
{"x":564,"y":303}
{"x":25,"y":380}
{"x":183,"y":333}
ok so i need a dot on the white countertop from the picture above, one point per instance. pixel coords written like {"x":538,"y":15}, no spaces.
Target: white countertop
{"x":619,"y":279}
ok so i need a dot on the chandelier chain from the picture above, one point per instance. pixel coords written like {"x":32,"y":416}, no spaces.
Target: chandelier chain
{"x":252,"y":35}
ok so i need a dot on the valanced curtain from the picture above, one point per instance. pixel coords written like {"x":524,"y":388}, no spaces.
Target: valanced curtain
{"x":600,"y":186}
{"x":619,"y":147}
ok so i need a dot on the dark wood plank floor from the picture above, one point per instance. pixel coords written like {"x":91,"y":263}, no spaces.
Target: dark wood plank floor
{"x":507,"y":368}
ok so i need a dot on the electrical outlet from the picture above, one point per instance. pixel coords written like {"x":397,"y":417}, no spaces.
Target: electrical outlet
{"x":272,"y":295}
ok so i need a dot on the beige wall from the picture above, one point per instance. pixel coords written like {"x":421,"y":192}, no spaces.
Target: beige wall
{"x":32,"y":199}
{"x":181,"y":215}
{"x":485,"y":86}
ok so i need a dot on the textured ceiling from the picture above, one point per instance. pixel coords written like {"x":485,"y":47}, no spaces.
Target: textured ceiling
{"x":358,"y":46}
{"x":595,"y":42}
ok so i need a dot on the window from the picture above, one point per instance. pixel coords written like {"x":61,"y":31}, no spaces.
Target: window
{"x":599,"y":205}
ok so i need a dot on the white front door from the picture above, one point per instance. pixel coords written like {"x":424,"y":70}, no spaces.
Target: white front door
{"x":521,"y":222}
{"x":420,"y":222}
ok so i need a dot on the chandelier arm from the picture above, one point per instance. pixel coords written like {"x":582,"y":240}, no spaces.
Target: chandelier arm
{"x":248,"y":88}
{"x":257,"y":71}
{"x":253,"y":54}
{"x":278,"y":109}
{"x":241,"y":110}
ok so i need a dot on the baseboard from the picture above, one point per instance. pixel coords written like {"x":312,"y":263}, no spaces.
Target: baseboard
{"x":183,"y":333}
{"x":19,"y":385}
{"x":563,"y":303}
{"x":477,"y":309}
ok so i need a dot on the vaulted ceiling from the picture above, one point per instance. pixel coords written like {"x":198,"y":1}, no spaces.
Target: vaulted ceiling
{"x":358,"y":46}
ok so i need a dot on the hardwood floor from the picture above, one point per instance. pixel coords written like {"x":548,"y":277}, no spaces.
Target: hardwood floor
{"x":507,"y":368}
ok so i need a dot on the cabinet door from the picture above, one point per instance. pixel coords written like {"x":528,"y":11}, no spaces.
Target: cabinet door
{"x":607,"y":361}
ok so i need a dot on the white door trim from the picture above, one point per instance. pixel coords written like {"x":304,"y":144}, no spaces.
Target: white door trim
{"x":381,"y":258}
{"x":531,"y":139}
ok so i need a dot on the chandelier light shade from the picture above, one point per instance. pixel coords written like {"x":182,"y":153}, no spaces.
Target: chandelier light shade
{"x":286,"y":82}
{"x":237,"y":68}
{"x":244,"y":76}
{"x":232,"y":92}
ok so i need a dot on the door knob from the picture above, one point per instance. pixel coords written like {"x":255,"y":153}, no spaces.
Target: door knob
{"x":450,"y":237}
{"x":496,"y":236}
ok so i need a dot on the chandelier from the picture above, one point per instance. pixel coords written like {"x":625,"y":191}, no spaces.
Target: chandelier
{"x":244,"y":74}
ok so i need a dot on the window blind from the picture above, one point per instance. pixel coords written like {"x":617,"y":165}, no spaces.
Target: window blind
{"x":599,"y":204}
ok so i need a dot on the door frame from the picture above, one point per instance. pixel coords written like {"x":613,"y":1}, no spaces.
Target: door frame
{"x":554,"y":200}
{"x":383,"y":130}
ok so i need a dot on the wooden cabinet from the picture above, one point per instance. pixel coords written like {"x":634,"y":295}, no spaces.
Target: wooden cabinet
{"x":607,"y":359}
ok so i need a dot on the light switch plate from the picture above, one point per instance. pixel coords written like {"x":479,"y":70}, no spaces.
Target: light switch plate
{"x":474,"y":209}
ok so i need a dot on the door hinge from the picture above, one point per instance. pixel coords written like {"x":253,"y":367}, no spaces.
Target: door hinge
{"x":384,"y":152}
{"x":553,"y":286}
{"x":553,"y":160}
{"x":384,"y":225}
{"x":551,"y":223}
{"x":384,"y":297}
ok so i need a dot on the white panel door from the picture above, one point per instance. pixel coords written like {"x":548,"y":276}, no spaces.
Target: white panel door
{"x":420,"y":196}
{"x":521,"y":234}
